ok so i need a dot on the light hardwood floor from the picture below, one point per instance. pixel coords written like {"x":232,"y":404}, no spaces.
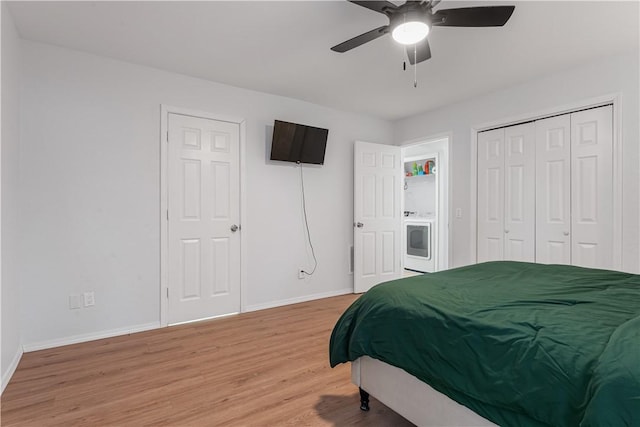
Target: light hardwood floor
{"x":265,"y":368}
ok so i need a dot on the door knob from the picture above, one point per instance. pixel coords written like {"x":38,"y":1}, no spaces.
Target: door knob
{"x":506,"y":231}
{"x":566,"y":233}
{"x":234,"y":228}
{"x":359,"y":224}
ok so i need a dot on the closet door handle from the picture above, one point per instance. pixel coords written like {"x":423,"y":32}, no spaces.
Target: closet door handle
{"x":359,"y":224}
{"x":566,"y":233}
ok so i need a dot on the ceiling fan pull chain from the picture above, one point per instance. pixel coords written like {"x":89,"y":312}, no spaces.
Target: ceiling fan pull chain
{"x":415,"y":65}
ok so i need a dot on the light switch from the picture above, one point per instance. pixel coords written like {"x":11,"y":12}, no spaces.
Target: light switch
{"x":74,"y":301}
{"x":89,"y":299}
{"x":458,"y":212}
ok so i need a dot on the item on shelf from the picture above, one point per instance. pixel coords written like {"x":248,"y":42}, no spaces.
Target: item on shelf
{"x":420,"y":171}
{"x":415,"y":168}
{"x":430,"y":167}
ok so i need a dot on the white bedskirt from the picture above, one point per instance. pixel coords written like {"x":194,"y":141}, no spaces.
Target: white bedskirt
{"x":408,"y":396}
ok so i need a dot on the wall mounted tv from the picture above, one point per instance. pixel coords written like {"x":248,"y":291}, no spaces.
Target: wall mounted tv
{"x":297,"y":143}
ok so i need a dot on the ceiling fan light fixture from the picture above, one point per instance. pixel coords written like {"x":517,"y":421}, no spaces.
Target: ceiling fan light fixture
{"x":410,"y":32}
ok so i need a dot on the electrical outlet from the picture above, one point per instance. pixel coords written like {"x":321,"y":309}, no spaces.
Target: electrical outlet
{"x":89,"y":299}
{"x":74,"y":302}
{"x":300,"y":274}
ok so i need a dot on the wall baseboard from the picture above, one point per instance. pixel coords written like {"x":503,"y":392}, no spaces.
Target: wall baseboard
{"x":280,"y":303}
{"x":75,"y":339}
{"x":6,"y":376}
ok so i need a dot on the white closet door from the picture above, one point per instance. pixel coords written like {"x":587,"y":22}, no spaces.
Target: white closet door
{"x":519,"y":192}
{"x":553,"y":190}
{"x":490,"y":195}
{"x":592,"y":187}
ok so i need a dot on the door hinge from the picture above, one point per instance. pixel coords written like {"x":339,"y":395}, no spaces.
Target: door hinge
{"x":167,"y":214}
{"x":167,"y":293}
{"x":167,"y":137}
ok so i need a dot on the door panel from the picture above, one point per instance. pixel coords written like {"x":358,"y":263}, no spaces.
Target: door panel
{"x":490,"y":195}
{"x":203,"y":201}
{"x":553,"y":190}
{"x":220,"y":251}
{"x":389,"y":252}
{"x":368,"y":250}
{"x":377,"y":179}
{"x":519,"y":193}
{"x":189,"y":278}
{"x":592,"y":187}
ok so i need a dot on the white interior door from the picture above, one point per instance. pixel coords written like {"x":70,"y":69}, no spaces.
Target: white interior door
{"x":490,"y":214}
{"x":377,"y":217}
{"x":204,"y":204}
{"x":553,"y":190}
{"x":592,"y":187}
{"x":519,"y":193}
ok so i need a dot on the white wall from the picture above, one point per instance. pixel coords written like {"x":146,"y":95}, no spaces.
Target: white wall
{"x":89,"y":183}
{"x":11,"y":330}
{"x":90,"y":192}
{"x":595,"y":79}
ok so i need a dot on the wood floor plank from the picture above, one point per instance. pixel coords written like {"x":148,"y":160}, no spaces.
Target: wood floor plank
{"x":265,"y":368}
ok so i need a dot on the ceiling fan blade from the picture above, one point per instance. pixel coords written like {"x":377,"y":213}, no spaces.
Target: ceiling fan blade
{"x":485,"y":16}
{"x":361,"y":39}
{"x":376,"y":6}
{"x":421,"y":53}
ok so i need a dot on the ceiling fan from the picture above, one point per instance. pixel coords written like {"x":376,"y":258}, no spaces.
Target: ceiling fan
{"x":410,"y":23}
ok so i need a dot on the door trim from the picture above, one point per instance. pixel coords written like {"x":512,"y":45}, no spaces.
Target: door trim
{"x":165,"y":110}
{"x":613,"y":98}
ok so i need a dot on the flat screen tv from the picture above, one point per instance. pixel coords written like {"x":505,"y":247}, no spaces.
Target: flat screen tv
{"x":297,"y":143}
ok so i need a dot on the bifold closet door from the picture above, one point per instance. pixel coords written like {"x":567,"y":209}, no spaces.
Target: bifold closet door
{"x":574,"y":189}
{"x":506,"y":194}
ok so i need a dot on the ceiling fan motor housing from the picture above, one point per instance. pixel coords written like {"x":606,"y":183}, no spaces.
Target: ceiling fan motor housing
{"x":409,"y":12}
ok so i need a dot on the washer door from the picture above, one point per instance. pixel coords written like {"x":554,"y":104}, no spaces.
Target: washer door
{"x":418,"y":240}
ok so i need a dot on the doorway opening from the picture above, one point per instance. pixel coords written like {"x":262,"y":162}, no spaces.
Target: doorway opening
{"x":425,"y":205}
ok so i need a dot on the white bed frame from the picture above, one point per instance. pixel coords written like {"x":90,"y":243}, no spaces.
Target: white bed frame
{"x":408,"y":396}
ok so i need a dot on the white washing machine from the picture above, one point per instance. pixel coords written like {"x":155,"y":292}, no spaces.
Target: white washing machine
{"x":419,"y":252}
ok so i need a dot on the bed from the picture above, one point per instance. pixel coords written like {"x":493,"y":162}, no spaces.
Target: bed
{"x":510,"y":343}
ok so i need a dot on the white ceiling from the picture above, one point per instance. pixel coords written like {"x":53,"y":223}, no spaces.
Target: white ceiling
{"x":283,"y":47}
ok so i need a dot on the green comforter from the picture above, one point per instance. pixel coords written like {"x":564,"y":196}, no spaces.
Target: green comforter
{"x":520,"y":344}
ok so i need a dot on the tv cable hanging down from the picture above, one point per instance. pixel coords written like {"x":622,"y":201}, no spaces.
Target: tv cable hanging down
{"x":297,"y":143}
{"x":306,"y":224}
